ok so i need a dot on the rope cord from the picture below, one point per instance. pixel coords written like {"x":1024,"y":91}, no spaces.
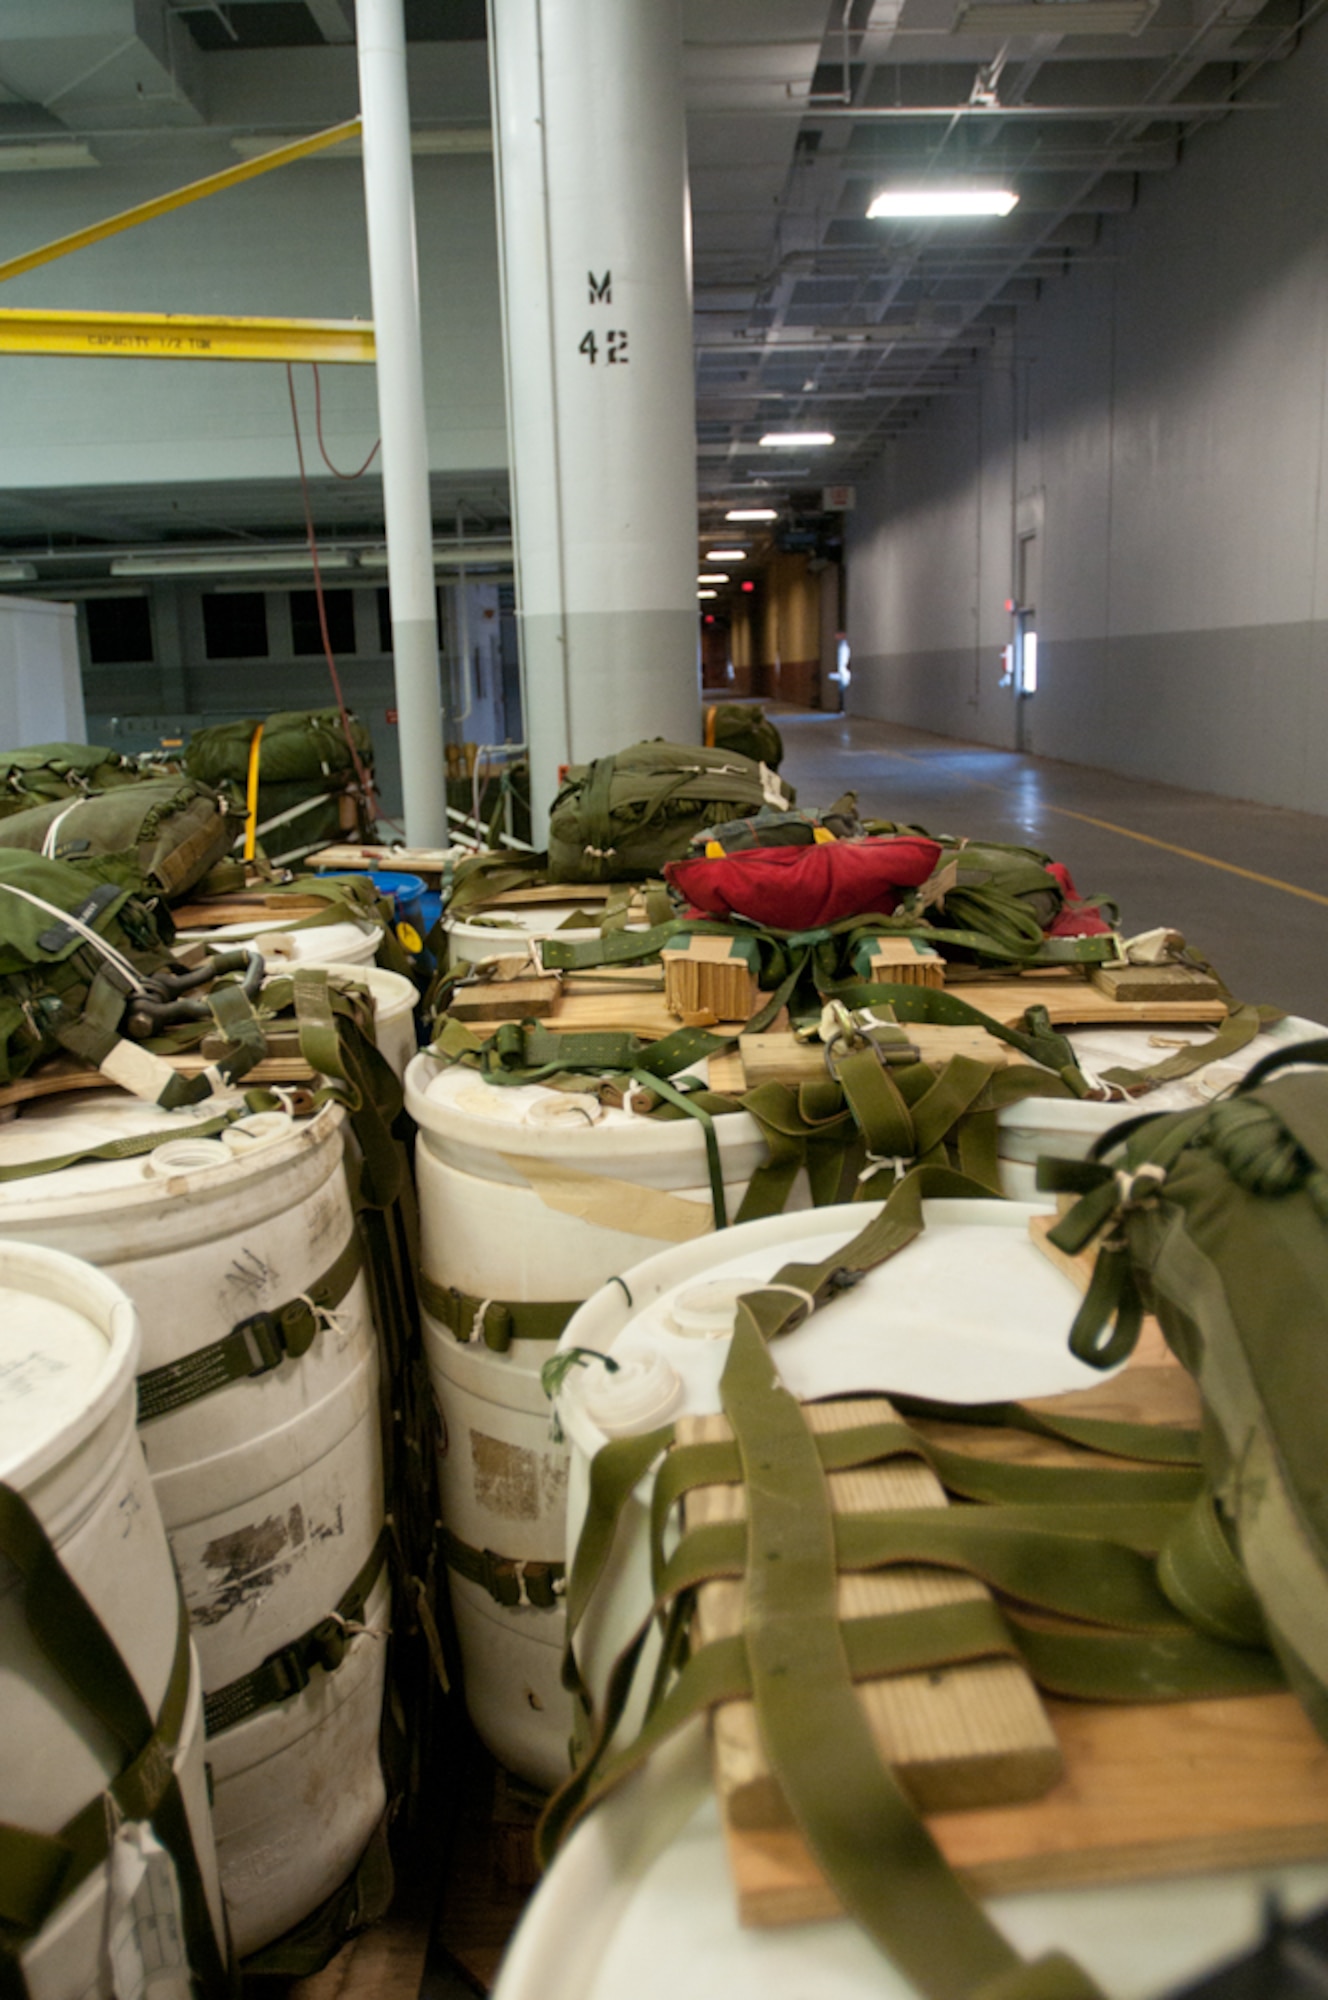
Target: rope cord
{"x":335,"y":470}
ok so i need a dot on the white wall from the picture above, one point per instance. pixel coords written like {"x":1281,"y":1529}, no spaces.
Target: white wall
{"x":290,"y":243}
{"x":1162,"y":417}
{"x":41,"y":698}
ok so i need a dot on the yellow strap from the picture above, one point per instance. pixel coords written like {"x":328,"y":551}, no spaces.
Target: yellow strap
{"x":710,"y":715}
{"x":251,"y":796}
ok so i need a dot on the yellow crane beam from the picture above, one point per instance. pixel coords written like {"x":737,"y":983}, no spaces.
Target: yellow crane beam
{"x":164,"y":204}
{"x":184,"y":336}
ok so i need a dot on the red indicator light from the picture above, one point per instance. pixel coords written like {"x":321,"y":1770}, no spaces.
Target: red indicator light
{"x":748,"y":584}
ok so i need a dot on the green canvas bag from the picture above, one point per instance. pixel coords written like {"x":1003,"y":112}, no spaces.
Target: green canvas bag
{"x":162,"y":835}
{"x":305,"y":771}
{"x":47,"y":771}
{"x":732,"y":725}
{"x":622,"y":817}
{"x":1217,"y":1222}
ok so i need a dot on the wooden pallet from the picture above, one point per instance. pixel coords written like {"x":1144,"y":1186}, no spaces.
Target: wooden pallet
{"x":1149,"y":1790}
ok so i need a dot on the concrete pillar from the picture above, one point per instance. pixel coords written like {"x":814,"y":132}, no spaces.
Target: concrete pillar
{"x":389,"y":198}
{"x":590,"y":167}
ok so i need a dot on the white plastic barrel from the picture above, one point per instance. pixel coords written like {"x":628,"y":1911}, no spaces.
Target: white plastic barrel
{"x":394,"y":1001}
{"x":68,"y":1353}
{"x":640,"y":1905}
{"x":1069,"y":1127}
{"x":970,"y":1312}
{"x":529,"y":1194}
{"x":325,"y":944}
{"x":510,"y":930}
{"x":271,"y":1487}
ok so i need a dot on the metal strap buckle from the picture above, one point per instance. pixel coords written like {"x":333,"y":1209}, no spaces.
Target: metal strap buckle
{"x":262,"y":1339}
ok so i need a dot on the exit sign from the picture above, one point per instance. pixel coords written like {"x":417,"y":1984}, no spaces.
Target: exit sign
{"x":391,"y":715}
{"x":839,"y":499}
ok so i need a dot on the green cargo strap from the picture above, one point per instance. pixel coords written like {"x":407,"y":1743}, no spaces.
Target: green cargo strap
{"x":494,"y":1322}
{"x":1203,"y":1577}
{"x":287,"y":1671}
{"x":939,"y":1007}
{"x":848,"y":1805}
{"x":254,"y":1347}
{"x":515,"y":1582}
{"x":39,"y":1872}
{"x":121,"y":1149}
{"x":681,"y":1100}
{"x":1235,"y":1033}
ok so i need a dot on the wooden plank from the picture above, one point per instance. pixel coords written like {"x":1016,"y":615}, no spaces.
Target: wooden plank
{"x":62,"y":1075}
{"x":245,"y":908}
{"x":782,"y":1058}
{"x":505,"y":1000}
{"x":352,"y":857}
{"x":1150,"y":1790}
{"x":1076,"y":1002}
{"x":725,"y":1073}
{"x":965,"y":1736}
{"x":1155,"y":982}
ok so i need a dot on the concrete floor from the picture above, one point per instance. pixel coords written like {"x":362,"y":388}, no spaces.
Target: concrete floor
{"x":1268,"y":937}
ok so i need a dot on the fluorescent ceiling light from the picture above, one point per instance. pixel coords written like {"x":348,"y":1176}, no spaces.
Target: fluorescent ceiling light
{"x":45,"y":156}
{"x":447,"y":555}
{"x":922,"y":202}
{"x":1053,"y":17}
{"x":18,"y":572}
{"x":752,"y":514}
{"x":258,"y":564}
{"x":713,"y":576}
{"x":794,"y":441}
{"x":707,"y":593}
{"x":727,"y":555}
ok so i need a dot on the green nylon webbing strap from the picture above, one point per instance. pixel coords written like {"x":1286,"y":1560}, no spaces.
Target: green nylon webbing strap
{"x":119,"y":1149}
{"x":853,"y":1815}
{"x":1235,"y":1033}
{"x":687,"y":1103}
{"x":938,"y":1006}
{"x":39,"y":1872}
{"x":1159,"y":1444}
{"x":527,"y":1583}
{"x":253,"y":1347}
{"x":287,"y":1671}
{"x":494,"y":1322}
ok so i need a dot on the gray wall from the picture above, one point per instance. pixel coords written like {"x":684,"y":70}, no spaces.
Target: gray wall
{"x":290,"y":243}
{"x":1158,"y":420}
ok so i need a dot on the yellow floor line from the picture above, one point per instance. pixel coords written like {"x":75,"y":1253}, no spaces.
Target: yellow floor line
{"x":1190,"y":854}
{"x":1128,"y":832}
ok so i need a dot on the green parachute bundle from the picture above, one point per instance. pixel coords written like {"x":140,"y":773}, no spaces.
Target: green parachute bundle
{"x":53,"y":771}
{"x":622,"y":817}
{"x":161,"y":835}
{"x":1217,"y":1222}
{"x":306,"y":775}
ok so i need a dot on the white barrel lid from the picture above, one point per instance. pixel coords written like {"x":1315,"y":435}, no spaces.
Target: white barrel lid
{"x":1102,"y":1048}
{"x":48,"y":1128}
{"x":278,"y":942}
{"x":454,"y":1103}
{"x":971,"y":1312}
{"x":68,"y":1351}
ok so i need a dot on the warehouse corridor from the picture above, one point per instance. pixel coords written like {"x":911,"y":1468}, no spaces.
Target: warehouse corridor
{"x":1247,"y":884}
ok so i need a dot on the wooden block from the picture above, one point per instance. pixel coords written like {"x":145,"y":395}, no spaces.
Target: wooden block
{"x":1155,"y":982}
{"x":960,"y":1737}
{"x":245,"y":907}
{"x":904,"y":961}
{"x":725,"y":1074}
{"x":776,"y":1058}
{"x":505,"y":1000}
{"x":704,"y":976}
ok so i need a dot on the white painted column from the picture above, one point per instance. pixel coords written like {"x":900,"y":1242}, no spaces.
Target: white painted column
{"x":590,"y":166}
{"x":394,"y":278}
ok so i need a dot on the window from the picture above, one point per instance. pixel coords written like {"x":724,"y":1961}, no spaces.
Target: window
{"x":119,"y":631}
{"x":235,"y":625}
{"x":306,"y":634}
{"x":384,"y":620}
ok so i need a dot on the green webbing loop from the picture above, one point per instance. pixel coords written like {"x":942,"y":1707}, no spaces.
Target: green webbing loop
{"x":655,"y":1082}
{"x":286,"y":1672}
{"x":253,"y":1347}
{"x":495,"y":1322}
{"x":120,"y":1149}
{"x":527,"y":1583}
{"x":1239,"y":1029}
{"x":1202,"y":1576}
{"x":77,"y":1644}
{"x":849,"y":1807}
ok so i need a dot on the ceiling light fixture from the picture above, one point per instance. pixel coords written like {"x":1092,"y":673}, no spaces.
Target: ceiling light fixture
{"x":713,"y":576}
{"x":18,"y":572}
{"x":280,"y":561}
{"x":727,"y":555}
{"x":795,"y":440}
{"x":896,"y":204}
{"x":752,"y":514}
{"x":707,"y":593}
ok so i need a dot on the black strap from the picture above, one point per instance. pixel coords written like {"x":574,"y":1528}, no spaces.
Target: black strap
{"x":254,"y":1347}
{"x":509,"y":1580}
{"x":287,"y":1671}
